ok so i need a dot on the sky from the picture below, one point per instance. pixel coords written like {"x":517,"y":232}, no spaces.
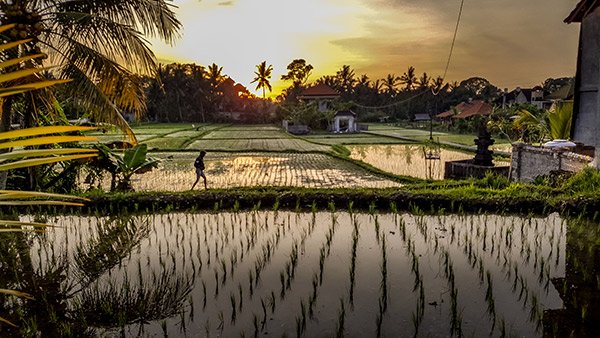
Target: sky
{"x":509,"y":42}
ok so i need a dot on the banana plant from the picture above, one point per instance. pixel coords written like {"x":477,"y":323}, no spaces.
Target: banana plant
{"x":123,"y":167}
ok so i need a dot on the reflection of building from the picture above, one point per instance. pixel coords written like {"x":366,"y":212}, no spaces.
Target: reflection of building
{"x":580,"y":288}
{"x":586,"y":113}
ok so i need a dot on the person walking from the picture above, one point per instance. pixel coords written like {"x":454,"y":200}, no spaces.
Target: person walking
{"x":199,"y":164}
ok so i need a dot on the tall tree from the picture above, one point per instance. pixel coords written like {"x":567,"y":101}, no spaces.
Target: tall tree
{"x":409,"y":79}
{"x":424,"y":81}
{"x":99,"y":44}
{"x":263,"y":75}
{"x":390,"y":82}
{"x":298,"y":72}
{"x":346,"y":78}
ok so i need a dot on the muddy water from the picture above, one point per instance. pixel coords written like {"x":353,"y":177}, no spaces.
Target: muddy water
{"x":316,"y":275}
{"x":410,"y":160}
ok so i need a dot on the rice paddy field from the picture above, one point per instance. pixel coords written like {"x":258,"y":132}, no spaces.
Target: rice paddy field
{"x":226,"y":170}
{"x":265,"y":155}
{"x":315,"y":274}
{"x":409,"y":159}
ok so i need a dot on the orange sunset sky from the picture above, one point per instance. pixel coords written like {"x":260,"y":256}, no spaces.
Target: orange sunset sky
{"x":509,"y":42}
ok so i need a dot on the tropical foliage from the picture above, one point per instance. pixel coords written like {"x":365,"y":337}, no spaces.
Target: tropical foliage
{"x":100,"y":45}
{"x":263,"y":75}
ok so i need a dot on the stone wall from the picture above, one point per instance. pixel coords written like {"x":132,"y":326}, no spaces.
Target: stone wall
{"x":529,"y":162}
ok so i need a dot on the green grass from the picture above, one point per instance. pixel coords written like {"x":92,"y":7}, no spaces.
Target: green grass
{"x":166,"y":143}
{"x":356,"y":140}
{"x":283,"y":145}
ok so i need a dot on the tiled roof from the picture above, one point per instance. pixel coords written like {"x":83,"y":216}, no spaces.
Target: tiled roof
{"x":320,"y":90}
{"x":460,"y":107}
{"x":475,"y":108}
{"x":345,"y":113}
{"x":583,"y":8}
{"x":466,"y":110}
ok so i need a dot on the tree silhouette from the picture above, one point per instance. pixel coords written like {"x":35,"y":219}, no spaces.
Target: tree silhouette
{"x":409,"y":79}
{"x":390,"y":83}
{"x":263,"y":74}
{"x":298,"y":72}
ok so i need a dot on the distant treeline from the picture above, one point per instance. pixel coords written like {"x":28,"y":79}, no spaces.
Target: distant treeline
{"x":195,"y":93}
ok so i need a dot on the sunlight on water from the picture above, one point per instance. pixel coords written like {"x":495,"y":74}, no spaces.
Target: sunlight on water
{"x":408,"y":160}
{"x":311,"y":274}
{"x":176,"y":172}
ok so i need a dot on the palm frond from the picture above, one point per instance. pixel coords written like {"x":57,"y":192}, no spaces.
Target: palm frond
{"x":560,"y":121}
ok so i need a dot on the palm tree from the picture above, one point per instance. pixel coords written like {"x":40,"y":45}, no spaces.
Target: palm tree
{"x":263,"y":74}
{"x":409,"y":79}
{"x":424,"y":81}
{"x":215,"y":75}
{"x":99,"y":44}
{"x":390,"y":83}
{"x":346,"y":78}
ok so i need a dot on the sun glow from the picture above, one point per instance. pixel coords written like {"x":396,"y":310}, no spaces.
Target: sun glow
{"x":376,"y":37}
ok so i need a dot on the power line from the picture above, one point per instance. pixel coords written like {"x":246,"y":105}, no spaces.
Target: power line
{"x":458,"y":20}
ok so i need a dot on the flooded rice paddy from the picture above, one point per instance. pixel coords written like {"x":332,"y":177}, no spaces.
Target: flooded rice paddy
{"x":409,"y":159}
{"x":319,"y":274}
{"x":225,"y":170}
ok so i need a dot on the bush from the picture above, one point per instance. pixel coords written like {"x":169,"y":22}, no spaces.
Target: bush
{"x":586,"y":181}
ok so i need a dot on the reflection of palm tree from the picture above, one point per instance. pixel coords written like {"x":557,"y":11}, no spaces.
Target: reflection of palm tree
{"x":77,"y":294}
{"x":263,"y":74}
{"x":389,"y":151}
{"x":409,"y":151}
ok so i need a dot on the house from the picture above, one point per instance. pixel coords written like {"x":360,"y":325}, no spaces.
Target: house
{"x":467,"y":109}
{"x":586,"y":110}
{"x":534,"y":96}
{"x":322,"y":94}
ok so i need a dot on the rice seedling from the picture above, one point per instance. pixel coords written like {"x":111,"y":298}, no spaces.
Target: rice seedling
{"x":341,"y":319}
{"x":255,"y":323}
{"x":233,"y":308}
{"x":384,"y":281}
{"x":264,"y":309}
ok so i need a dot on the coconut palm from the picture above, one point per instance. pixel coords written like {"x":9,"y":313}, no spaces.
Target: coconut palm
{"x":390,"y":83}
{"x":409,"y":79}
{"x":424,"y":81}
{"x":99,"y":44}
{"x":263,"y":75}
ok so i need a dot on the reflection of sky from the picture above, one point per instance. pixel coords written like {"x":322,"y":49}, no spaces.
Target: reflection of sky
{"x":408,"y":160}
{"x":511,"y":43}
{"x":515,"y":256}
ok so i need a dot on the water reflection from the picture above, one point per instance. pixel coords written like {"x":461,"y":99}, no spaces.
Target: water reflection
{"x":580,"y":286}
{"x":306,"y":274}
{"x":78,"y":283}
{"x":408,"y":160}
{"x":176,"y":172}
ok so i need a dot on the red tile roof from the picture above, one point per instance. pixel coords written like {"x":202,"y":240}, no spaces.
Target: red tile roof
{"x":583,"y":8}
{"x":466,"y":110}
{"x":319,"y":91}
{"x":454,"y":111}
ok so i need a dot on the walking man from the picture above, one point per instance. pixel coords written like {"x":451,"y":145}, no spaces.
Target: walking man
{"x":199,"y":164}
